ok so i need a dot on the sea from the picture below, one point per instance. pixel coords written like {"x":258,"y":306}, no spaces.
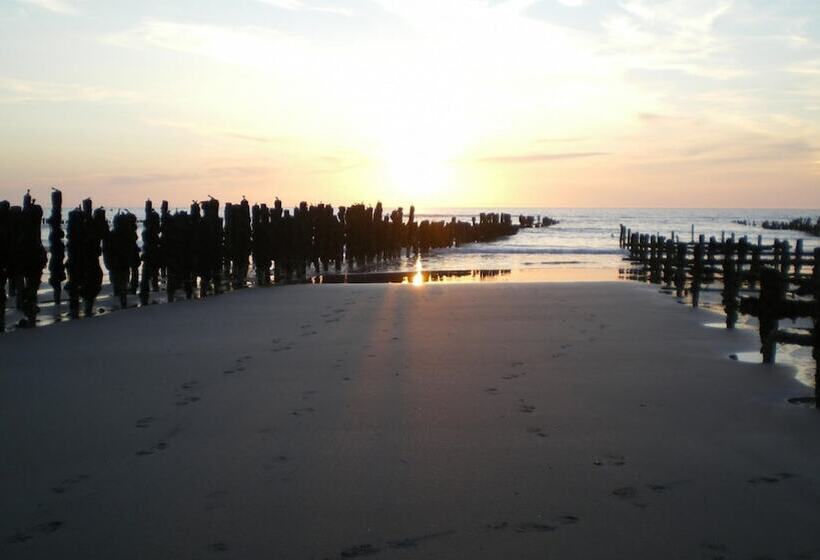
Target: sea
{"x":586,"y":239}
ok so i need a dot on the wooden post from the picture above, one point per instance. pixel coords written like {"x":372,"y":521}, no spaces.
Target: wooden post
{"x":653,"y":260}
{"x":711,"y":258}
{"x":772,"y":296}
{"x":697,"y":271}
{"x":742,"y":252}
{"x":680,"y":269}
{"x":668,"y":263}
{"x":755,"y":267}
{"x":816,"y":332}
{"x":56,"y":247}
{"x":785,"y":259}
{"x":798,"y":258}
{"x":730,"y":286}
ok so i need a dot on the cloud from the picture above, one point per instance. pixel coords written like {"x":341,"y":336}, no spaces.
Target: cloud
{"x":254,"y":46}
{"x":536,"y":158}
{"x":572,"y":3}
{"x":561,"y":139}
{"x":300,"y":5}
{"x":26,"y":91}
{"x":56,"y":6}
{"x":208,"y":130}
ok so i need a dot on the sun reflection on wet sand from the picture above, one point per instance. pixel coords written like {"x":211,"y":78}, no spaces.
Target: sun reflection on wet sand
{"x":419,"y":277}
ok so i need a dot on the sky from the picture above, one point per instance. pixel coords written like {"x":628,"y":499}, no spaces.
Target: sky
{"x":438,"y":103}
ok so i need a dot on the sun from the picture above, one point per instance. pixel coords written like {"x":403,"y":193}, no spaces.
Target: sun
{"x":416,"y":176}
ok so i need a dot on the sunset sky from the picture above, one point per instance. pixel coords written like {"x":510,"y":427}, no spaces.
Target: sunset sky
{"x":432,"y":102}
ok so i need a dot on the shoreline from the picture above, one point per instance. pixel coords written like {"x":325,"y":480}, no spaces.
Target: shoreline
{"x":477,"y":420}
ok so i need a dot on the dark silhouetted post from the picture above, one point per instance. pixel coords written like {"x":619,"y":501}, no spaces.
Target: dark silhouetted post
{"x":730,"y":284}
{"x":56,"y":246}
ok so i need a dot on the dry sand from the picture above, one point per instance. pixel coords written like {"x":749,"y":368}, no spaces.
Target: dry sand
{"x":596,"y":420}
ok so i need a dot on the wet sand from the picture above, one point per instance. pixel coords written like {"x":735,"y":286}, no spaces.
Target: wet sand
{"x":594,"y":420}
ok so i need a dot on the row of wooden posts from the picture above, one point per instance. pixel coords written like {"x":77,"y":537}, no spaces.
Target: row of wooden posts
{"x":206,"y":248}
{"x":772,"y":282}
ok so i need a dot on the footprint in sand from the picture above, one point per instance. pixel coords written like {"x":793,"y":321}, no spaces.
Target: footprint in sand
{"x":491,"y":391}
{"x":771,"y":479}
{"x":610,"y":460}
{"x":413,"y":542}
{"x":664,"y":487}
{"x":40,"y":529}
{"x":160,"y":446}
{"x":537,"y":431}
{"x":533,"y":528}
{"x":302,"y":411}
{"x":524,"y":407}
{"x":185,"y":400}
{"x":144,"y":422}
{"x":359,"y":550}
{"x":67,"y":483}
{"x":630,"y":494}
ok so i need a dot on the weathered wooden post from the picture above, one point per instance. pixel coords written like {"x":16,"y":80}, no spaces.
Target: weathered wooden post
{"x":697,"y":271}
{"x":730,"y":285}
{"x":785,"y":259}
{"x":755,"y":266}
{"x":668,"y":263}
{"x":56,"y":247}
{"x":798,"y":258}
{"x":680,"y":269}
{"x":657,"y":252}
{"x":33,"y":257}
{"x":815,"y":352}
{"x":5,"y":257}
{"x":772,"y":298}
{"x":150,"y":252}
{"x":711,"y":259}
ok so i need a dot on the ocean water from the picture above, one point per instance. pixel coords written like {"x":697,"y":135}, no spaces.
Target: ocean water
{"x":587,"y":239}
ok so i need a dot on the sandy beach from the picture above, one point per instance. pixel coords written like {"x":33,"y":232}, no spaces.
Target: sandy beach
{"x":539,"y":420}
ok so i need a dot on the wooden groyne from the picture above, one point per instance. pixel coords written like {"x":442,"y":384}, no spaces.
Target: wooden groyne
{"x":804,"y":225}
{"x":771,"y":282}
{"x":202,"y":251}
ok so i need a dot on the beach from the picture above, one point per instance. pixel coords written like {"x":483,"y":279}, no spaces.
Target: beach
{"x":585,"y":420}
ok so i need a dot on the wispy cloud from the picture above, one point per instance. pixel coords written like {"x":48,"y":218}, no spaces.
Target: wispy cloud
{"x":209,"y":130}
{"x":56,"y":6}
{"x":244,"y":45}
{"x":536,"y":158}
{"x":301,"y":5}
{"x":27,"y":91}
